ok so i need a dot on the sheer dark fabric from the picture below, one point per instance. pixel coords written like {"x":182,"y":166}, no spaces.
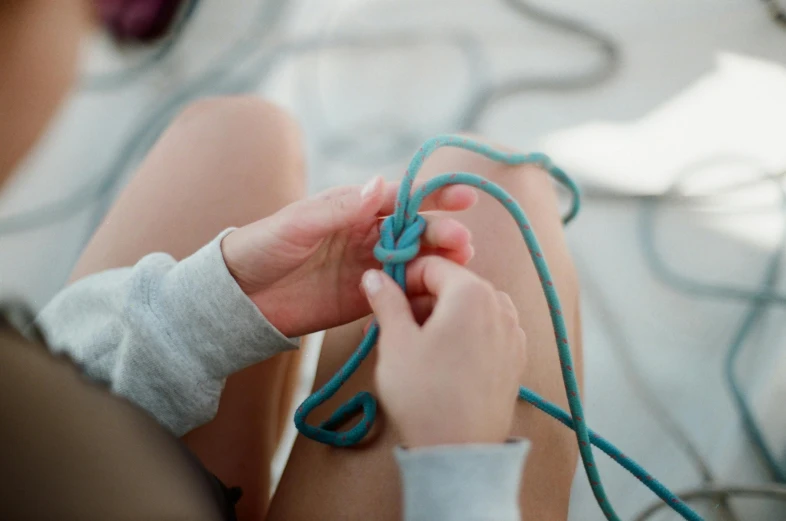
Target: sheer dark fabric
{"x":72,"y":451}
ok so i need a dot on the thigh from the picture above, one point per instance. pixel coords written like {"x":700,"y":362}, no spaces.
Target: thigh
{"x":362,"y":483}
{"x":223,"y":162}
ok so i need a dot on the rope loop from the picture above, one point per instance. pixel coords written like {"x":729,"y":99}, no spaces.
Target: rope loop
{"x":399,"y":243}
{"x":393,"y":251}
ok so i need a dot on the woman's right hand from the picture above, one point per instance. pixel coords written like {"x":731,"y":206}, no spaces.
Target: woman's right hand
{"x":454,"y":378}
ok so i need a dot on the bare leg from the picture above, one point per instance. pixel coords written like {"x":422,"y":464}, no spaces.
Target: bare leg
{"x":224,"y":162}
{"x":363,"y":483}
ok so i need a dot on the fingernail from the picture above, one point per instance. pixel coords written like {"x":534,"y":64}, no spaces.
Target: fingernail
{"x":370,"y":187}
{"x":372,"y":282}
{"x":471,"y":252}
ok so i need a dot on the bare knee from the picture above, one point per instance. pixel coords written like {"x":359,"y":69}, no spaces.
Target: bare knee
{"x":534,"y":190}
{"x":524,"y":182}
{"x":242,"y":114}
{"x":259,"y":139}
{"x":223,"y":162}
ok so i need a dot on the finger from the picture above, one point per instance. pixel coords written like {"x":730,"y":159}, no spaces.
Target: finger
{"x":445,"y":237}
{"x":461,"y":256}
{"x":507,"y":305}
{"x":332,"y":210}
{"x":387,"y":301}
{"x":448,"y":198}
{"x":436,"y":276}
{"x":421,"y":305}
{"x":445,"y":233}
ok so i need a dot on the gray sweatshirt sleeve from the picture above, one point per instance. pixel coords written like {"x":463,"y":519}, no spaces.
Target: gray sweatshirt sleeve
{"x":463,"y":482}
{"x":163,"y":334}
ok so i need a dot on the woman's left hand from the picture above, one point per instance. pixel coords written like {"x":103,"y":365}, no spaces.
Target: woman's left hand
{"x":303,"y":265}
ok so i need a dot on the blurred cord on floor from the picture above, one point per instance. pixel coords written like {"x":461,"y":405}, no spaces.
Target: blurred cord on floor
{"x":759,"y":301}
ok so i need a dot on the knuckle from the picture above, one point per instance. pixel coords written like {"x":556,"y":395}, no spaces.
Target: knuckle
{"x":506,"y":302}
{"x":506,"y":298}
{"x":508,"y":309}
{"x":519,"y":349}
{"x":521,"y":340}
{"x":479,"y":291}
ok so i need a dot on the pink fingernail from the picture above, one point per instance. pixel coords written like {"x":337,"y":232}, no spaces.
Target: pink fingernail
{"x":372,"y":282}
{"x":370,"y":187}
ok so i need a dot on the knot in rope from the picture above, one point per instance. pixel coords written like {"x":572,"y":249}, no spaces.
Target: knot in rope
{"x":394,"y":250}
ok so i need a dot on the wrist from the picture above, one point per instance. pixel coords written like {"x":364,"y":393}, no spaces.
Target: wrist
{"x":231,"y":251}
{"x":276,"y":313}
{"x":429,"y":436}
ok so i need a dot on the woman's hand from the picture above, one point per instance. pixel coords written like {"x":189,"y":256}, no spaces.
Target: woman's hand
{"x":455,"y":378}
{"x":303,"y":265}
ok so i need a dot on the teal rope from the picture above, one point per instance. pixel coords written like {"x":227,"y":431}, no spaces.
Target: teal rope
{"x":760,"y":300}
{"x":399,"y":243}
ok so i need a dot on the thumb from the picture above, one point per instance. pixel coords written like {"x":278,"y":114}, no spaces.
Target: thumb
{"x":387,"y":301}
